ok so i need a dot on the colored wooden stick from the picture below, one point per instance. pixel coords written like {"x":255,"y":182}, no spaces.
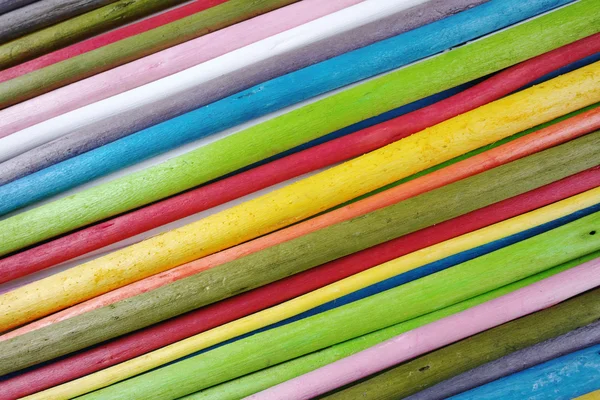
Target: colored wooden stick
{"x":9,"y":5}
{"x":271,"y":376}
{"x":221,"y":157}
{"x":513,"y":363}
{"x":278,"y":314}
{"x":129,"y":49}
{"x":310,"y":196}
{"x":290,"y":341}
{"x":160,"y":65}
{"x":136,"y":109}
{"x":529,"y":144}
{"x":107,"y":38}
{"x":563,"y":378}
{"x":35,"y":43}
{"x":212,"y":316}
{"x":409,"y":345}
{"x":317,"y":79}
{"x":220,"y":192}
{"x":81,"y":135}
{"x":590,"y":396}
{"x":42,"y":14}
{"x":275,"y":263}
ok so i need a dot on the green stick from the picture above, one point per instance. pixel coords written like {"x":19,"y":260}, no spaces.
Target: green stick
{"x":253,"y":383}
{"x":403,"y":303}
{"x":300,"y":254}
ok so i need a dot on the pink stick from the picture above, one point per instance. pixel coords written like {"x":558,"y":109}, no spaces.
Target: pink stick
{"x":530,"y":299}
{"x":163,"y":63}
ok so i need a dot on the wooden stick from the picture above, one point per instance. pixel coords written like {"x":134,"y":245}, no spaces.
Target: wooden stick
{"x":276,"y":262}
{"x":162,"y":64}
{"x":512,"y":363}
{"x":590,"y":396}
{"x":568,"y":316}
{"x":327,"y":298}
{"x":529,"y":144}
{"x":107,"y":38}
{"x":42,"y":14}
{"x":112,"y":14}
{"x":425,"y":339}
{"x":9,"y":5}
{"x":85,"y":129}
{"x":257,"y":101}
{"x":335,"y":151}
{"x":310,"y":196}
{"x":402,"y":303}
{"x":292,"y":30}
{"x":212,"y":316}
{"x":123,"y":51}
{"x":223,"y":157}
{"x":565,"y":377}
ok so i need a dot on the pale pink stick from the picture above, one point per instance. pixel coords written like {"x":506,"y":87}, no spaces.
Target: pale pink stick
{"x":530,"y":299}
{"x":163,"y":63}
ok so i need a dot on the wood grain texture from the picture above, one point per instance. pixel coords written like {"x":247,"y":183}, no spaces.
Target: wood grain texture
{"x":518,"y":361}
{"x":108,"y":38}
{"x":323,"y":117}
{"x":498,"y":344}
{"x":335,"y":326}
{"x":132,"y":48}
{"x":103,"y":122}
{"x":425,"y":339}
{"x":222,"y":157}
{"x":274,"y":37}
{"x":273,"y":375}
{"x":77,"y":28}
{"x":43,"y":13}
{"x":277,"y":262}
{"x":162,"y":64}
{"x":466,"y":166}
{"x":310,"y":196}
{"x":566,"y":377}
{"x":335,"y":151}
{"x":328,"y":297}
{"x":9,"y":5}
{"x":209,"y":317}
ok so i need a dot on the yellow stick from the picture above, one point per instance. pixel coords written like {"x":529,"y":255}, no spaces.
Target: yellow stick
{"x":305,"y":198}
{"x":313,"y":299}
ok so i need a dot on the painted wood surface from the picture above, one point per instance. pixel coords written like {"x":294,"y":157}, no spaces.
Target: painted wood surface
{"x":223,"y":157}
{"x":310,"y":196}
{"x":335,"y":326}
{"x":276,"y":262}
{"x":273,"y":375}
{"x":92,"y":126}
{"x":520,"y":147}
{"x":162,"y":64}
{"x":132,"y":48}
{"x":513,"y":363}
{"x":112,"y":14}
{"x":590,"y":396}
{"x":409,"y":345}
{"x":248,"y":303}
{"x":107,"y":38}
{"x":326,"y":298}
{"x":9,"y":5}
{"x":43,"y":13}
{"x":335,"y":151}
{"x":335,"y":112}
{"x":562,"y":379}
{"x":209,"y":79}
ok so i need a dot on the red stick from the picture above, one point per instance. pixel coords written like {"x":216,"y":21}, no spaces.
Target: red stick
{"x":179,"y":328}
{"x":107,"y":38}
{"x":358,"y":143}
